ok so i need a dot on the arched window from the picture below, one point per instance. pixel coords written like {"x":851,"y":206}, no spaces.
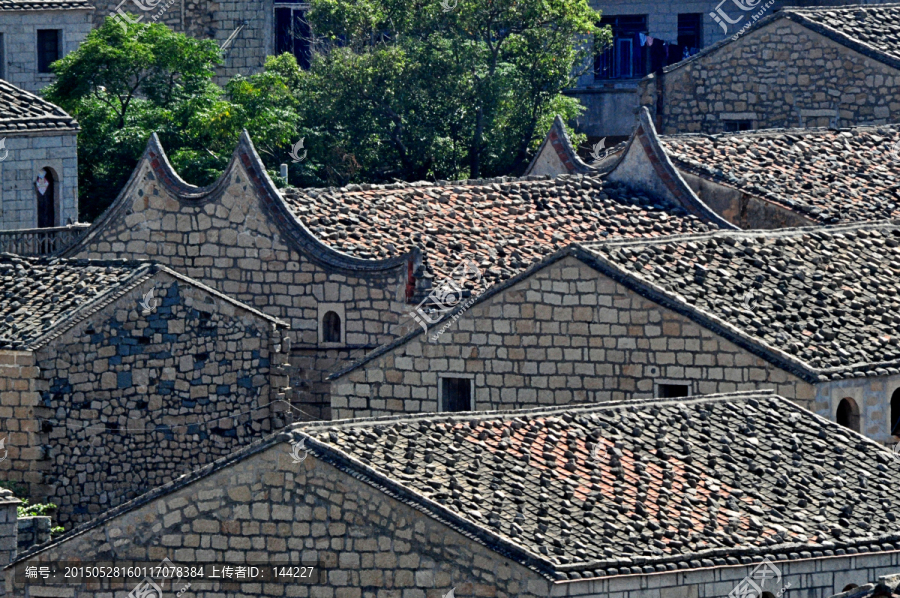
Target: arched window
{"x":848,"y":587}
{"x":768,"y":595}
{"x":895,"y":413}
{"x":848,"y":414}
{"x":331,"y":327}
{"x":45,"y":189}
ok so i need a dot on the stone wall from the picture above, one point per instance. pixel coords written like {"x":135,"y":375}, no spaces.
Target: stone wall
{"x":20,"y":395}
{"x":781,"y":75}
{"x":228,"y":240}
{"x":128,"y":401}
{"x":8,"y":531}
{"x":741,"y":209}
{"x":32,"y":531}
{"x":564,"y":334}
{"x":28,"y":155}
{"x":365,"y":542}
{"x":19,"y":31}
{"x":209,"y":19}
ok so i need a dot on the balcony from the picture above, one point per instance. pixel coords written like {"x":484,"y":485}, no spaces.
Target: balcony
{"x":41,"y":241}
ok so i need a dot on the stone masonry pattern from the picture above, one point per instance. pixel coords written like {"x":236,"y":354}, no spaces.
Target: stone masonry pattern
{"x":564,"y":334}
{"x":129,"y":401}
{"x":780,"y":75}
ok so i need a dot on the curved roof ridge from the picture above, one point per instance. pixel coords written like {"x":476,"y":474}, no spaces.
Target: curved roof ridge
{"x":291,"y":228}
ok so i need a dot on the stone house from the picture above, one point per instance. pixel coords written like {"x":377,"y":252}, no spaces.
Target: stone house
{"x":762,"y":179}
{"x":345,"y":267}
{"x":812,"y":67}
{"x":38,"y":162}
{"x":810,"y":312}
{"x":34,"y":34}
{"x":116,"y":377}
{"x":671,"y":497}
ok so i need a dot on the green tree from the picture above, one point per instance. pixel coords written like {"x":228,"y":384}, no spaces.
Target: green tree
{"x":409,"y":90}
{"x":123,"y":85}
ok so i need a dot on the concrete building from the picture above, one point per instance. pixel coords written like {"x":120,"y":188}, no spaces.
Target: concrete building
{"x":696,"y":496}
{"x":36,"y":33}
{"x":117,"y":377}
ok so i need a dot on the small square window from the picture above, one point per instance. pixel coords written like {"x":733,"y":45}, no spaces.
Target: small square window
{"x":456,"y":394}
{"x":48,"y":48}
{"x":734,"y":126}
{"x":671,"y":391}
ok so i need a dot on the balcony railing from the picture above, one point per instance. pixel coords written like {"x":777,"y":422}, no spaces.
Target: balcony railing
{"x":41,"y":241}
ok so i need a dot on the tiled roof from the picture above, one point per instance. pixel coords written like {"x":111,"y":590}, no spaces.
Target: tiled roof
{"x":45,"y":5}
{"x":504,"y":226}
{"x":616,"y":488}
{"x":875,"y":26}
{"x":824,"y":298}
{"x":39,"y":296}
{"x":21,"y":111}
{"x":829,"y":176}
{"x":643,"y":485}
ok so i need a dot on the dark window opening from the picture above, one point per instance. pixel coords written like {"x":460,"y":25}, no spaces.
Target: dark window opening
{"x":895,"y":413}
{"x":690,"y":33}
{"x":44,"y":187}
{"x":456,"y":394}
{"x":292,"y":34}
{"x":669,"y":391}
{"x":331,"y":328}
{"x":849,"y":586}
{"x":848,"y":414}
{"x":2,"y":58}
{"x":626,"y":58}
{"x":48,"y":48}
{"x":733,"y":126}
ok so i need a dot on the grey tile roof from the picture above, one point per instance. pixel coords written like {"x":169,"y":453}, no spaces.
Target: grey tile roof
{"x":504,"y":226}
{"x":877,"y":26}
{"x":825,"y":298}
{"x":617,"y":488}
{"x":45,"y":5}
{"x":827,"y":175}
{"x":21,"y":111}
{"x":41,"y":296}
{"x":38,"y":294}
{"x":640,"y":486}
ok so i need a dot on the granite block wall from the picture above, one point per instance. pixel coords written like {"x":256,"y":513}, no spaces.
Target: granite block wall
{"x":781,"y":75}
{"x":8,"y":532}
{"x":125,"y":401}
{"x":266,"y":507}
{"x":19,"y":38}
{"x":32,"y":531}
{"x":229,"y":242}
{"x":565,"y":334}
{"x":27,"y":156}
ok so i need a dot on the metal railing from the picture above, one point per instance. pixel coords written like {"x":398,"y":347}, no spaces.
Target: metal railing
{"x":40,"y":241}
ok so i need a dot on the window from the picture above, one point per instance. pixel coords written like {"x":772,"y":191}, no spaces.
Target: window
{"x":733,"y":126}
{"x":331,"y":328}
{"x":332,"y":320}
{"x":848,"y":414}
{"x":690,"y":32}
{"x":292,"y":32}
{"x":48,"y":48}
{"x":895,"y":413}
{"x":456,"y":394}
{"x":625,"y":58}
{"x":46,"y":198}
{"x":670,"y":391}
{"x":848,"y":587}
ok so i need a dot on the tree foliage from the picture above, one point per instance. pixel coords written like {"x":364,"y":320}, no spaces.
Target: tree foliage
{"x":396,"y":90}
{"x":411,"y":90}
{"x":123,"y":85}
